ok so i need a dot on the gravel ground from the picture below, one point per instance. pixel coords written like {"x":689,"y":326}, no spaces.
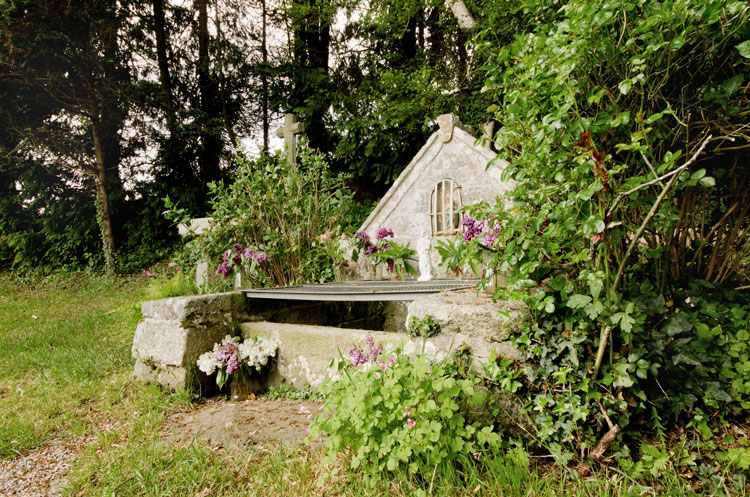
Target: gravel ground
{"x":41,"y":472}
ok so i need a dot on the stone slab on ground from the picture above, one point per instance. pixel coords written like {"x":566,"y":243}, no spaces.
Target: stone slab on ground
{"x":219,"y":423}
{"x":174,"y":332}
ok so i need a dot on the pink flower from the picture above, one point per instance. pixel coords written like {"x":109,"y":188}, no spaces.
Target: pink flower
{"x":391,"y":361}
{"x":303,"y":410}
{"x":475,"y":455}
{"x":406,"y":411}
{"x":410,"y":422}
{"x":306,"y":432}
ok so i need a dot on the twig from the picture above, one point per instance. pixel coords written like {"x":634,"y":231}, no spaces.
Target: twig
{"x":432,"y":480}
{"x":603,"y":340}
{"x":609,"y":437}
{"x":660,"y":178}
{"x":711,"y":232}
{"x":653,"y":210}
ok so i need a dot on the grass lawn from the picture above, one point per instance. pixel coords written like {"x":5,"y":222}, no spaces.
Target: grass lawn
{"x":65,"y":371}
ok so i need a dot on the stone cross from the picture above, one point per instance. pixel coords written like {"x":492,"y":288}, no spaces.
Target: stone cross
{"x":288,"y":132}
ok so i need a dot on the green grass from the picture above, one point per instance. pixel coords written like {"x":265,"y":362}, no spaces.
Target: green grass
{"x":65,"y":371}
{"x":64,"y":356}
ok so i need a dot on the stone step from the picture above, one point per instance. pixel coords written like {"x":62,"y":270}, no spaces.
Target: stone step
{"x":309,"y":355}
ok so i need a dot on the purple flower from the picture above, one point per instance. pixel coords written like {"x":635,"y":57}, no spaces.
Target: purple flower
{"x":237,"y":259}
{"x":474,"y":228}
{"x":369,"y":340}
{"x":391,"y":264}
{"x":371,"y":249}
{"x":237,"y":248}
{"x":228,"y":354}
{"x":223,"y":269}
{"x":248,"y":253}
{"x":233,"y":365}
{"x":384,"y":233}
{"x":260,"y":257}
{"x":362,"y":236}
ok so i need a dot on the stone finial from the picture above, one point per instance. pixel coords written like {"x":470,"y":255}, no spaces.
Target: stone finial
{"x":446,"y":123}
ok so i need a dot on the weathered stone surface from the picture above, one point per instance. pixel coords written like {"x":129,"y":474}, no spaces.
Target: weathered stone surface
{"x":196,"y":310}
{"x":471,"y":314}
{"x":308,"y":354}
{"x":451,"y":153}
{"x":176,"y":331}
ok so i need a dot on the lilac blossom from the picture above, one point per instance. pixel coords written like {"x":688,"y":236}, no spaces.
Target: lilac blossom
{"x":223,"y":269}
{"x":260,"y":257}
{"x":371,"y":249}
{"x":384,"y":233}
{"x":248,"y":253}
{"x":228,"y":354}
{"x":362,"y":236}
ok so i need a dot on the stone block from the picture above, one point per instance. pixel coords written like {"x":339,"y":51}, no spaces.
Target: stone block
{"x":309,"y":356}
{"x":471,"y":314}
{"x":176,"y":331}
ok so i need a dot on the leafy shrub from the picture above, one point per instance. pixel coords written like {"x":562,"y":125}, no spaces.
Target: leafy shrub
{"x":279,"y":210}
{"x":624,"y":200}
{"x":398,"y":411}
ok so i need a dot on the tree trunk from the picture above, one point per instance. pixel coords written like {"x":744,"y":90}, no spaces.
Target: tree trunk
{"x":102,"y":196}
{"x":264,"y":77}
{"x":311,"y":92}
{"x":210,"y":136}
{"x":161,"y":56}
{"x":222,"y":91}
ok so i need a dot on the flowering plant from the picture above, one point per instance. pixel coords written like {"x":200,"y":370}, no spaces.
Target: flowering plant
{"x":385,"y":250}
{"x":252,"y":263}
{"x":231,"y":357}
{"x":388,"y":410}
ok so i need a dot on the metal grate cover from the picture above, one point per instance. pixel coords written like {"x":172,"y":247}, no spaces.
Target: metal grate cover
{"x":361,"y":290}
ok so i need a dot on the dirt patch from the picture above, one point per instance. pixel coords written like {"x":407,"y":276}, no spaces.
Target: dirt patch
{"x":258,"y":421}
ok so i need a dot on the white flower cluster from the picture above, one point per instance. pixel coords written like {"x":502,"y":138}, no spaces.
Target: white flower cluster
{"x":209,"y":362}
{"x":253,"y":352}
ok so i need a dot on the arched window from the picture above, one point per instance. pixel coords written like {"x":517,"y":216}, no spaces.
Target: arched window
{"x":445,"y":200}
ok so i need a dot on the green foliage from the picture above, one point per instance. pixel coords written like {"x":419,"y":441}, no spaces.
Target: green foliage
{"x":424,"y":327}
{"x":404,"y":413}
{"x":621,"y":203}
{"x":281,"y":211}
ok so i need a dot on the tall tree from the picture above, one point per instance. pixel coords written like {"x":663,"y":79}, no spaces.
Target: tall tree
{"x":66,"y":55}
